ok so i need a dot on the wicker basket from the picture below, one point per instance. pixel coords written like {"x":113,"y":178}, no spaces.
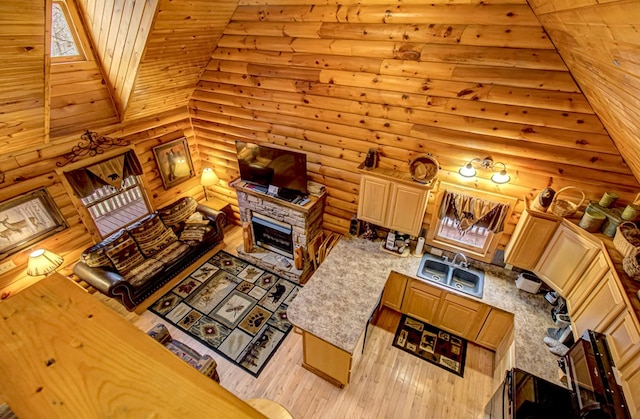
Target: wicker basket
{"x":621,"y":243}
{"x":564,"y":207}
{"x":631,"y":266}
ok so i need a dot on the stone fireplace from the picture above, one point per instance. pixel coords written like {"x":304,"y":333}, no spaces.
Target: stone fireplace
{"x":278,"y":227}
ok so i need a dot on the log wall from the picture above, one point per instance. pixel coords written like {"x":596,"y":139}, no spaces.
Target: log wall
{"x":31,"y":170}
{"x":599,"y":42}
{"x":459,"y":80}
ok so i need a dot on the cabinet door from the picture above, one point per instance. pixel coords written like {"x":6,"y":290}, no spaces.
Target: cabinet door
{"x":394,"y":291}
{"x":498,"y":326}
{"x":600,"y":308}
{"x":587,"y":282}
{"x":630,"y":375}
{"x":407,"y":208}
{"x":565,"y":258}
{"x":421,"y":301}
{"x":374,"y":200}
{"x":461,"y":316}
{"x":623,"y":338}
{"x":529,"y":239}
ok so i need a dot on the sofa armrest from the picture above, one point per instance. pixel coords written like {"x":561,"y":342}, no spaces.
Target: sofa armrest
{"x":218,"y":217}
{"x":101,"y":279}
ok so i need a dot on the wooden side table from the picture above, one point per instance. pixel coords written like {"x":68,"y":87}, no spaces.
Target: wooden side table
{"x":219,"y":205}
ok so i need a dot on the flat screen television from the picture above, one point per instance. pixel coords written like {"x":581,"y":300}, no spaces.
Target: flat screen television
{"x":263,"y":165}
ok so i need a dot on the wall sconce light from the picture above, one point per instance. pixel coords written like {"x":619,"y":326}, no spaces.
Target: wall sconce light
{"x":43,"y":262}
{"x":208,"y":178}
{"x":500,"y":177}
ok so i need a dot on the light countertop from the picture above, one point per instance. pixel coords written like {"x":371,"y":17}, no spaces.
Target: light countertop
{"x":336,"y":303}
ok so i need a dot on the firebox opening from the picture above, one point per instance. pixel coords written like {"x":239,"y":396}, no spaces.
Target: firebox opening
{"x":272,"y":234}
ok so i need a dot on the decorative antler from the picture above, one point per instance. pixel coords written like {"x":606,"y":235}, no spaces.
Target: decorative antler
{"x":91,"y":144}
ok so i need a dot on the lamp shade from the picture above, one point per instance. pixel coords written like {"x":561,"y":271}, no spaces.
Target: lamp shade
{"x":501,"y":177}
{"x":209,"y":177}
{"x":467,"y":170}
{"x":43,"y":262}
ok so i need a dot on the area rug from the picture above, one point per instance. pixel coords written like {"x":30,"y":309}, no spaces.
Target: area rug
{"x":232,"y":307}
{"x":432,"y":344}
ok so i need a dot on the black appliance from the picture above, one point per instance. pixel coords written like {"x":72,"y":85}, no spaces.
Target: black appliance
{"x":524,"y":395}
{"x":592,"y":377}
{"x":592,"y":391}
{"x":270,"y":166}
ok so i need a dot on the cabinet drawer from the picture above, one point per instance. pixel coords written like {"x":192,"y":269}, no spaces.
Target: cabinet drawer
{"x":465,"y":302}
{"x":424,"y":287}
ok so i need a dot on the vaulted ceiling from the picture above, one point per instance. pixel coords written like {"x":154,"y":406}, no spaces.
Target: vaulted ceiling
{"x":151,"y":55}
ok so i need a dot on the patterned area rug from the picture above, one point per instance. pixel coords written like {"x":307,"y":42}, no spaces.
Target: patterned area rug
{"x":233,"y":307}
{"x":428,"y":342}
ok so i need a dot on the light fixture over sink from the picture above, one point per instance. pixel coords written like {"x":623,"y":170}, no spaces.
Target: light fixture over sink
{"x":499,"y":177}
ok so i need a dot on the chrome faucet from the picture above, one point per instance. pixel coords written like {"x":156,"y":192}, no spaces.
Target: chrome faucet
{"x":464,"y":263}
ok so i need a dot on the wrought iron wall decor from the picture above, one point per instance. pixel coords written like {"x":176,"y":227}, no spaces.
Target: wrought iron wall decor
{"x":91,"y":144}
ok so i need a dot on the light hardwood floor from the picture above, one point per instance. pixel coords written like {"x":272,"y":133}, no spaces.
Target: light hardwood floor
{"x":386,"y":382}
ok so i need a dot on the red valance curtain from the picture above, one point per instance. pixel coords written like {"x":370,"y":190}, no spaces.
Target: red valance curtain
{"x":109,"y":172}
{"x":469,"y":211}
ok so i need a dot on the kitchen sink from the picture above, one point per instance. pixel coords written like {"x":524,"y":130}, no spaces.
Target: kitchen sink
{"x":458,"y":277}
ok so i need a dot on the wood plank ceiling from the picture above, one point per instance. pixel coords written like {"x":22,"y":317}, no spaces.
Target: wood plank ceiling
{"x":455,"y":79}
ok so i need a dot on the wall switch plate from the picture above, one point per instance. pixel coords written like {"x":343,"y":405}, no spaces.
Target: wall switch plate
{"x":7,"y":266}
{"x":436,"y":252}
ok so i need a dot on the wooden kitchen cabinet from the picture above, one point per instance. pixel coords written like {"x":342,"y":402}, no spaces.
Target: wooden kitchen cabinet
{"x":566,"y":257}
{"x":497,"y":326}
{"x":623,"y":338}
{"x":461,"y":316}
{"x":596,"y":270}
{"x":630,"y":375}
{"x":394,"y":291}
{"x":530,"y":238}
{"x":600,"y":308}
{"x":421,"y":301}
{"x":393,"y":203}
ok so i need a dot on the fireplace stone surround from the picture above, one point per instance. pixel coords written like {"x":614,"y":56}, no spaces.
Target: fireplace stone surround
{"x":305,"y":221}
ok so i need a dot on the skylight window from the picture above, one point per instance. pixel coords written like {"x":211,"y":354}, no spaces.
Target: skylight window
{"x":64,"y":43}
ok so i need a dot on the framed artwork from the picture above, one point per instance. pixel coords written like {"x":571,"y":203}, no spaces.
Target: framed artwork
{"x":27,"y":219}
{"x":174,"y":162}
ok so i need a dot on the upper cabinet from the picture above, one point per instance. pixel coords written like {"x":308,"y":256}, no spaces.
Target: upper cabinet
{"x":566,"y":257}
{"x":392,"y":202}
{"x":530,"y":238}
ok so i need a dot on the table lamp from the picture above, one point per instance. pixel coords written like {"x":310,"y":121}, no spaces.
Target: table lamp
{"x":208,"y":178}
{"x":43,"y":262}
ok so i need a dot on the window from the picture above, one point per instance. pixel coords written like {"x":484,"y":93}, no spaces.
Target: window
{"x":64,"y":40}
{"x":112,"y":209}
{"x":469,"y":221}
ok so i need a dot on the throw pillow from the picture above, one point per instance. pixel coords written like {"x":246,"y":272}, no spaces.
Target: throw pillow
{"x":95,"y":257}
{"x":125,"y":256}
{"x":151,"y":234}
{"x":178,"y":212}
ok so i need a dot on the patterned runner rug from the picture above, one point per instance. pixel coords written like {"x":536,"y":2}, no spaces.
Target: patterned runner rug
{"x":232,"y":307}
{"x":428,"y":342}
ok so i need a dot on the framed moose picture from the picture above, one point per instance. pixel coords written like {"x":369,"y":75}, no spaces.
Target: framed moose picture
{"x":27,"y":219}
{"x":174,"y":162}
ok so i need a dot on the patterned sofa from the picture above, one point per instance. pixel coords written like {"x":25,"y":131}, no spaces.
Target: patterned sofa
{"x":136,"y":261}
{"x":205,"y":364}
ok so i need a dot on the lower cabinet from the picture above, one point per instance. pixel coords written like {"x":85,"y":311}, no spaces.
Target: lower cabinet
{"x":497,"y":327}
{"x":462,"y":316}
{"x":630,"y":375}
{"x":327,"y":360}
{"x":600,"y":308}
{"x":421,"y":301}
{"x":394,"y":291}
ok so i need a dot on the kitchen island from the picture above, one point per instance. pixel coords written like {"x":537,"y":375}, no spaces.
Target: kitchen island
{"x":333,"y":309}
